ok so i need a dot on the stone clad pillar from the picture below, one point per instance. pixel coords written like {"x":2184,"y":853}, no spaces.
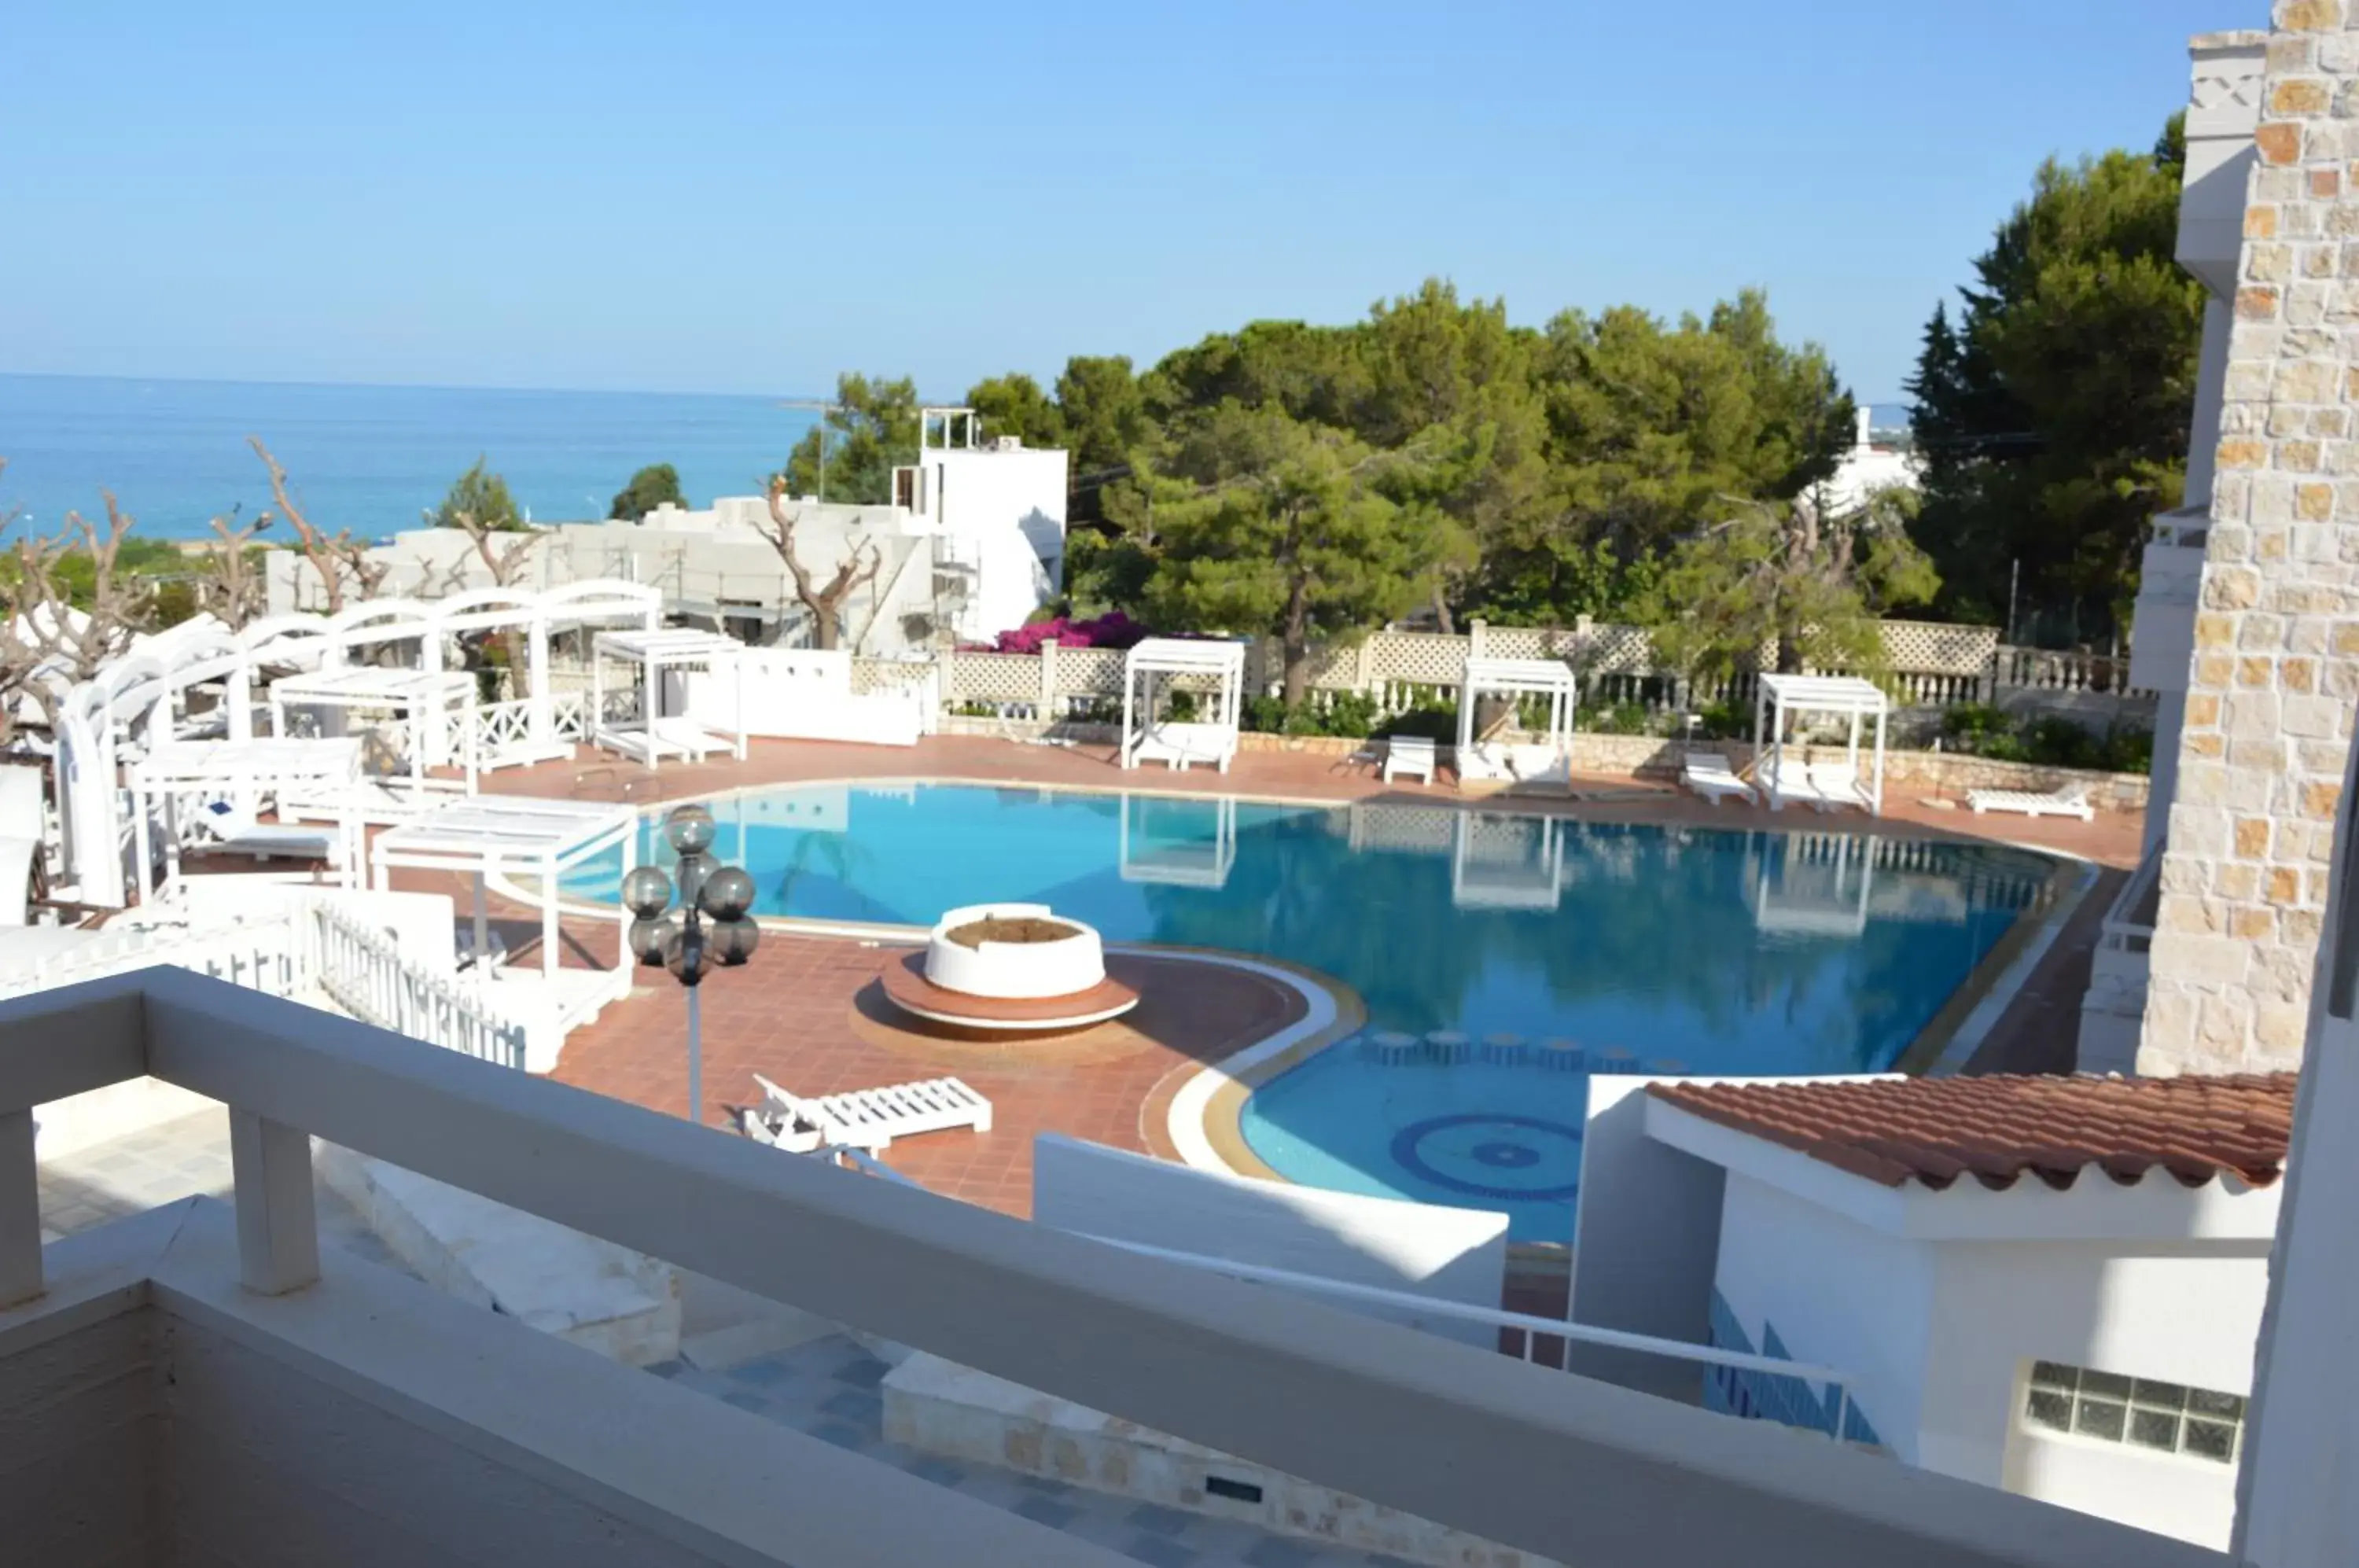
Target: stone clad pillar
{"x":2276,"y":665}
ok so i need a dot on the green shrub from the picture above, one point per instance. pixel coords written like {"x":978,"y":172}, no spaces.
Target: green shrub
{"x":1263,"y":715}
{"x":1621,"y":718}
{"x":1425,"y":722}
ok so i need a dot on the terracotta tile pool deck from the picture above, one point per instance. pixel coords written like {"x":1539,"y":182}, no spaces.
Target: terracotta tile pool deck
{"x":806,"y":1013}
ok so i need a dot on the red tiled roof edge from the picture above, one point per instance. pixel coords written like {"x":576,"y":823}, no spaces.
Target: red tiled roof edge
{"x":2000,"y":1127}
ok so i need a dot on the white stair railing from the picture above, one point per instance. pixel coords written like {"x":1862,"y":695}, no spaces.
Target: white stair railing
{"x":365,"y":973}
{"x":312,"y":948}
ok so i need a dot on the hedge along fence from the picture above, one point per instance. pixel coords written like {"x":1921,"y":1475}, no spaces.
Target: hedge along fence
{"x":1931,"y":667}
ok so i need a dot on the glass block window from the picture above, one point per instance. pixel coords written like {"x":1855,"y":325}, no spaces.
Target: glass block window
{"x":2165,"y":1418}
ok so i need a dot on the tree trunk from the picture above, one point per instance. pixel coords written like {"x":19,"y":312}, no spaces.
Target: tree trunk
{"x":1297,"y":684}
{"x":826,"y":626}
{"x":1293,"y":640}
{"x":1442,"y":620}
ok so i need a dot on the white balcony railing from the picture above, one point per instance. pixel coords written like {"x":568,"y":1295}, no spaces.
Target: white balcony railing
{"x":312,"y":949}
{"x":1578,"y":1471}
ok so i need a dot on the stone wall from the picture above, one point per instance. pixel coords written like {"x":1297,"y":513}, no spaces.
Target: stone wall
{"x":2277,"y":634}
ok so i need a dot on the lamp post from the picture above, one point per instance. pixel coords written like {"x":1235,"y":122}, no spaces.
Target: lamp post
{"x":711,"y":925}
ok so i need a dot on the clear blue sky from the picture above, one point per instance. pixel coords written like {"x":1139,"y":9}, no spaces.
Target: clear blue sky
{"x":749,"y":197}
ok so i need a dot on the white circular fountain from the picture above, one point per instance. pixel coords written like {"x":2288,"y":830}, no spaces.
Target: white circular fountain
{"x":1010,"y":968}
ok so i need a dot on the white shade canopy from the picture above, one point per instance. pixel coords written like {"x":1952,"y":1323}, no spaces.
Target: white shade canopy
{"x":514,"y":834}
{"x":1148,"y":669}
{"x":1787,"y":779}
{"x":654,"y":734}
{"x":1478,"y":759}
{"x":1825,"y":695}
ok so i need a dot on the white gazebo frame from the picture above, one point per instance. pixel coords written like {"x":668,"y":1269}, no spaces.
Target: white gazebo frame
{"x":657,"y":734}
{"x":245,"y":771}
{"x":1842,"y":915}
{"x":1147,"y":671}
{"x":1206,"y":867}
{"x":128,"y":705}
{"x":508,"y":837}
{"x":1777,"y":696}
{"x":1481,"y":881}
{"x":1550,"y":678}
{"x":436,"y":707}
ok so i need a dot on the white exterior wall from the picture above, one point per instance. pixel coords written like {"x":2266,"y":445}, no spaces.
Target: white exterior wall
{"x":1941,"y":1334}
{"x":2187,"y":1316}
{"x":1840,"y":1294}
{"x":1006,"y":511}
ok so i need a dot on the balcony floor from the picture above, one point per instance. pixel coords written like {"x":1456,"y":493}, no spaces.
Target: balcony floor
{"x":826,"y":1388}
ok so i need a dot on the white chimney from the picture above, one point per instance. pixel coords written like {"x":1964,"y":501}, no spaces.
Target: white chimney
{"x":1865,"y":417}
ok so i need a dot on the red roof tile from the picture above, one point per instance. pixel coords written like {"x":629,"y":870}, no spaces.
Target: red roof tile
{"x":1996,"y":1128}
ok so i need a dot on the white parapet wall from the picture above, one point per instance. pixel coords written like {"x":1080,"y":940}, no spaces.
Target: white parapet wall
{"x":622,"y":1304}
{"x":938,"y":1407}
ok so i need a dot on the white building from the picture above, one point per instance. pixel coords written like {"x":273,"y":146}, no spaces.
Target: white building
{"x":2052,"y":1286}
{"x":1868,"y":467}
{"x":973,"y":543}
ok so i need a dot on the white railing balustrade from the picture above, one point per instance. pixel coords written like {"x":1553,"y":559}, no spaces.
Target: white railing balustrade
{"x":311,"y":952}
{"x":363,"y":972}
{"x":1538,"y":1340}
{"x":1574,"y":1469}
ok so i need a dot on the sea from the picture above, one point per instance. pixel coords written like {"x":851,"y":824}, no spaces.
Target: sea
{"x":371,"y":459}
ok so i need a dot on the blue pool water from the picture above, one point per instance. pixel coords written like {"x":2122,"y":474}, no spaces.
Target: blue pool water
{"x":1728,"y":952}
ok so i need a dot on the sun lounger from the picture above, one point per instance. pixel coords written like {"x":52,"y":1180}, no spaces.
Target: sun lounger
{"x":1838,"y":785}
{"x":865,"y":1118}
{"x":1177,"y":744}
{"x":1793,"y":785}
{"x":236,"y":833}
{"x":1404,"y":755}
{"x":2071,"y":801}
{"x":1708,"y":775}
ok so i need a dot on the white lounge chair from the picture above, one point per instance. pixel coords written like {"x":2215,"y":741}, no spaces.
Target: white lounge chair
{"x":1708,"y":775}
{"x":1793,"y":785}
{"x":1407,"y":755}
{"x":1838,"y":785}
{"x":865,"y":1118}
{"x":235,"y":831}
{"x":2070,"y":800}
{"x":1179,"y":743}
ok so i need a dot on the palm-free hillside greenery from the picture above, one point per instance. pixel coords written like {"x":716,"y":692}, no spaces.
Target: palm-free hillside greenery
{"x":2052,"y":409}
{"x":479,"y":501}
{"x":870,"y":429}
{"x":657,"y":484}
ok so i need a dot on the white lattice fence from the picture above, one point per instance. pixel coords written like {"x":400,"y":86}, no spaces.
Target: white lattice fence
{"x":1009,"y":683}
{"x":1424,"y":657}
{"x":1924,"y":647}
{"x":872,"y":675}
{"x":1089,"y":673}
{"x":1532,"y":642}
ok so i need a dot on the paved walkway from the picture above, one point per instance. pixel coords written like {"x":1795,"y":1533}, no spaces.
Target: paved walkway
{"x":807,"y":1015}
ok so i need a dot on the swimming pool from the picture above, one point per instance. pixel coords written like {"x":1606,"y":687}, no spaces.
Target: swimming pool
{"x":1725,"y":951}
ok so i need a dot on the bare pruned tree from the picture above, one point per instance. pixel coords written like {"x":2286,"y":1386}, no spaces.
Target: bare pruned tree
{"x":507,"y":564}
{"x":233,"y":589}
{"x":341,"y":560}
{"x":825,"y":603}
{"x":52,"y":644}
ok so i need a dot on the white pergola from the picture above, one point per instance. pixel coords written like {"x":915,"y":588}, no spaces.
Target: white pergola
{"x":1505,"y":862}
{"x":1189,"y":863}
{"x":655,"y":734}
{"x":1147,"y":672}
{"x":244,"y":773}
{"x":514,"y":835}
{"x":1812,"y":894}
{"x":1780,"y":697}
{"x":1550,"y":678}
{"x":434,"y":708}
